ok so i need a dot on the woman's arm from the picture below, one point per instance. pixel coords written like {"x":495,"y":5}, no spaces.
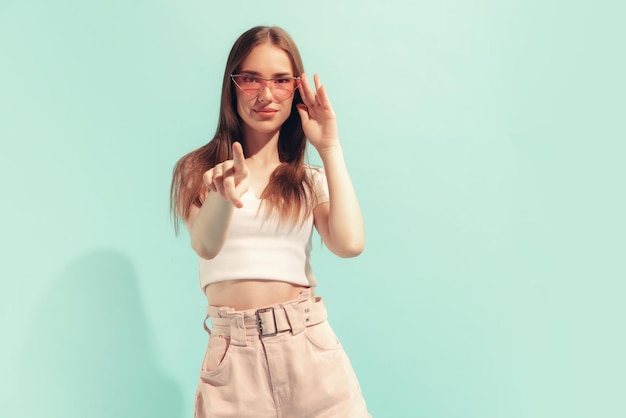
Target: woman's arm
{"x":226,"y":183}
{"x":339,"y":221}
{"x":208,"y":225}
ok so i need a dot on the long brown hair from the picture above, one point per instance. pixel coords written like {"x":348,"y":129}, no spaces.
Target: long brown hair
{"x":287,"y":191}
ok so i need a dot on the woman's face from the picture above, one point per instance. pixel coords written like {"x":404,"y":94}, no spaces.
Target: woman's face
{"x":266,"y":111}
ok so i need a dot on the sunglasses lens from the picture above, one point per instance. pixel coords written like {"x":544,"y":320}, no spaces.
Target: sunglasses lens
{"x":282,"y":88}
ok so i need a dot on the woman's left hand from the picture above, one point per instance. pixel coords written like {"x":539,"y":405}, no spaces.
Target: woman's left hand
{"x":318,"y":117}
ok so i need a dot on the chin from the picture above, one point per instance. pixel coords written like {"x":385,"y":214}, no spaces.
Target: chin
{"x":265,"y":126}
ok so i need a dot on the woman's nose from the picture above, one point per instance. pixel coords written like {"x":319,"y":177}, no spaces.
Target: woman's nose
{"x":265,"y":94}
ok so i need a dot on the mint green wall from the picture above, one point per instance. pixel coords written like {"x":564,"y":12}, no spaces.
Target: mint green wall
{"x":485,"y":142}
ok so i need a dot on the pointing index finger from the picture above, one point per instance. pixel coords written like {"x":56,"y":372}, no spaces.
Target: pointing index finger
{"x":238,"y":157}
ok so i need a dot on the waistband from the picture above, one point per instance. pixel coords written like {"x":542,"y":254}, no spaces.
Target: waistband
{"x":293,"y":316}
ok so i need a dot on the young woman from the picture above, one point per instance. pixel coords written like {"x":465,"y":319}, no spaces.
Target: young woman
{"x":250,"y":203}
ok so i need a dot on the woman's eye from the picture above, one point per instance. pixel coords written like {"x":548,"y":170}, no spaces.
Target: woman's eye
{"x":249,"y":79}
{"x":282,"y":80}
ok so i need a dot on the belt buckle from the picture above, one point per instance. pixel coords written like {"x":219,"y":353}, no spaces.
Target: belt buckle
{"x":259,"y":321}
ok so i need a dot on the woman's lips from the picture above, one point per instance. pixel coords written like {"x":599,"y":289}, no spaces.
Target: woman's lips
{"x":266,"y":112}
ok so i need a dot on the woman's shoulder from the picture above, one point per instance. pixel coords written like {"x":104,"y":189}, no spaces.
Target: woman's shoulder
{"x":314,"y":172}
{"x":317,"y":176}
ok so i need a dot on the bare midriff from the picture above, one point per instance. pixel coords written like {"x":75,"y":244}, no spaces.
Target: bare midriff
{"x":251,"y":294}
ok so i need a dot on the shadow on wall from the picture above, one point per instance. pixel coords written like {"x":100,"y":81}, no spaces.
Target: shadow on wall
{"x":88,"y":351}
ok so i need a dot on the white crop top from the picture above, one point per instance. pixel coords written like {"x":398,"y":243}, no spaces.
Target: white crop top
{"x":265,"y":249}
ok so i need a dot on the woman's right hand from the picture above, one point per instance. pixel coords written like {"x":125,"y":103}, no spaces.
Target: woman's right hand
{"x":231,"y":179}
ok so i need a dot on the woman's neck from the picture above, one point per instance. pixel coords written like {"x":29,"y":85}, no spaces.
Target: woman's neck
{"x":262,"y":147}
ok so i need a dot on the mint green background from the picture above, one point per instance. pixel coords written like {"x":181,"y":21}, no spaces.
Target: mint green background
{"x":486,"y":143}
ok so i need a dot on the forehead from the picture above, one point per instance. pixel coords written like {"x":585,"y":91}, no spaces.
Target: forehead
{"x":267,"y":59}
